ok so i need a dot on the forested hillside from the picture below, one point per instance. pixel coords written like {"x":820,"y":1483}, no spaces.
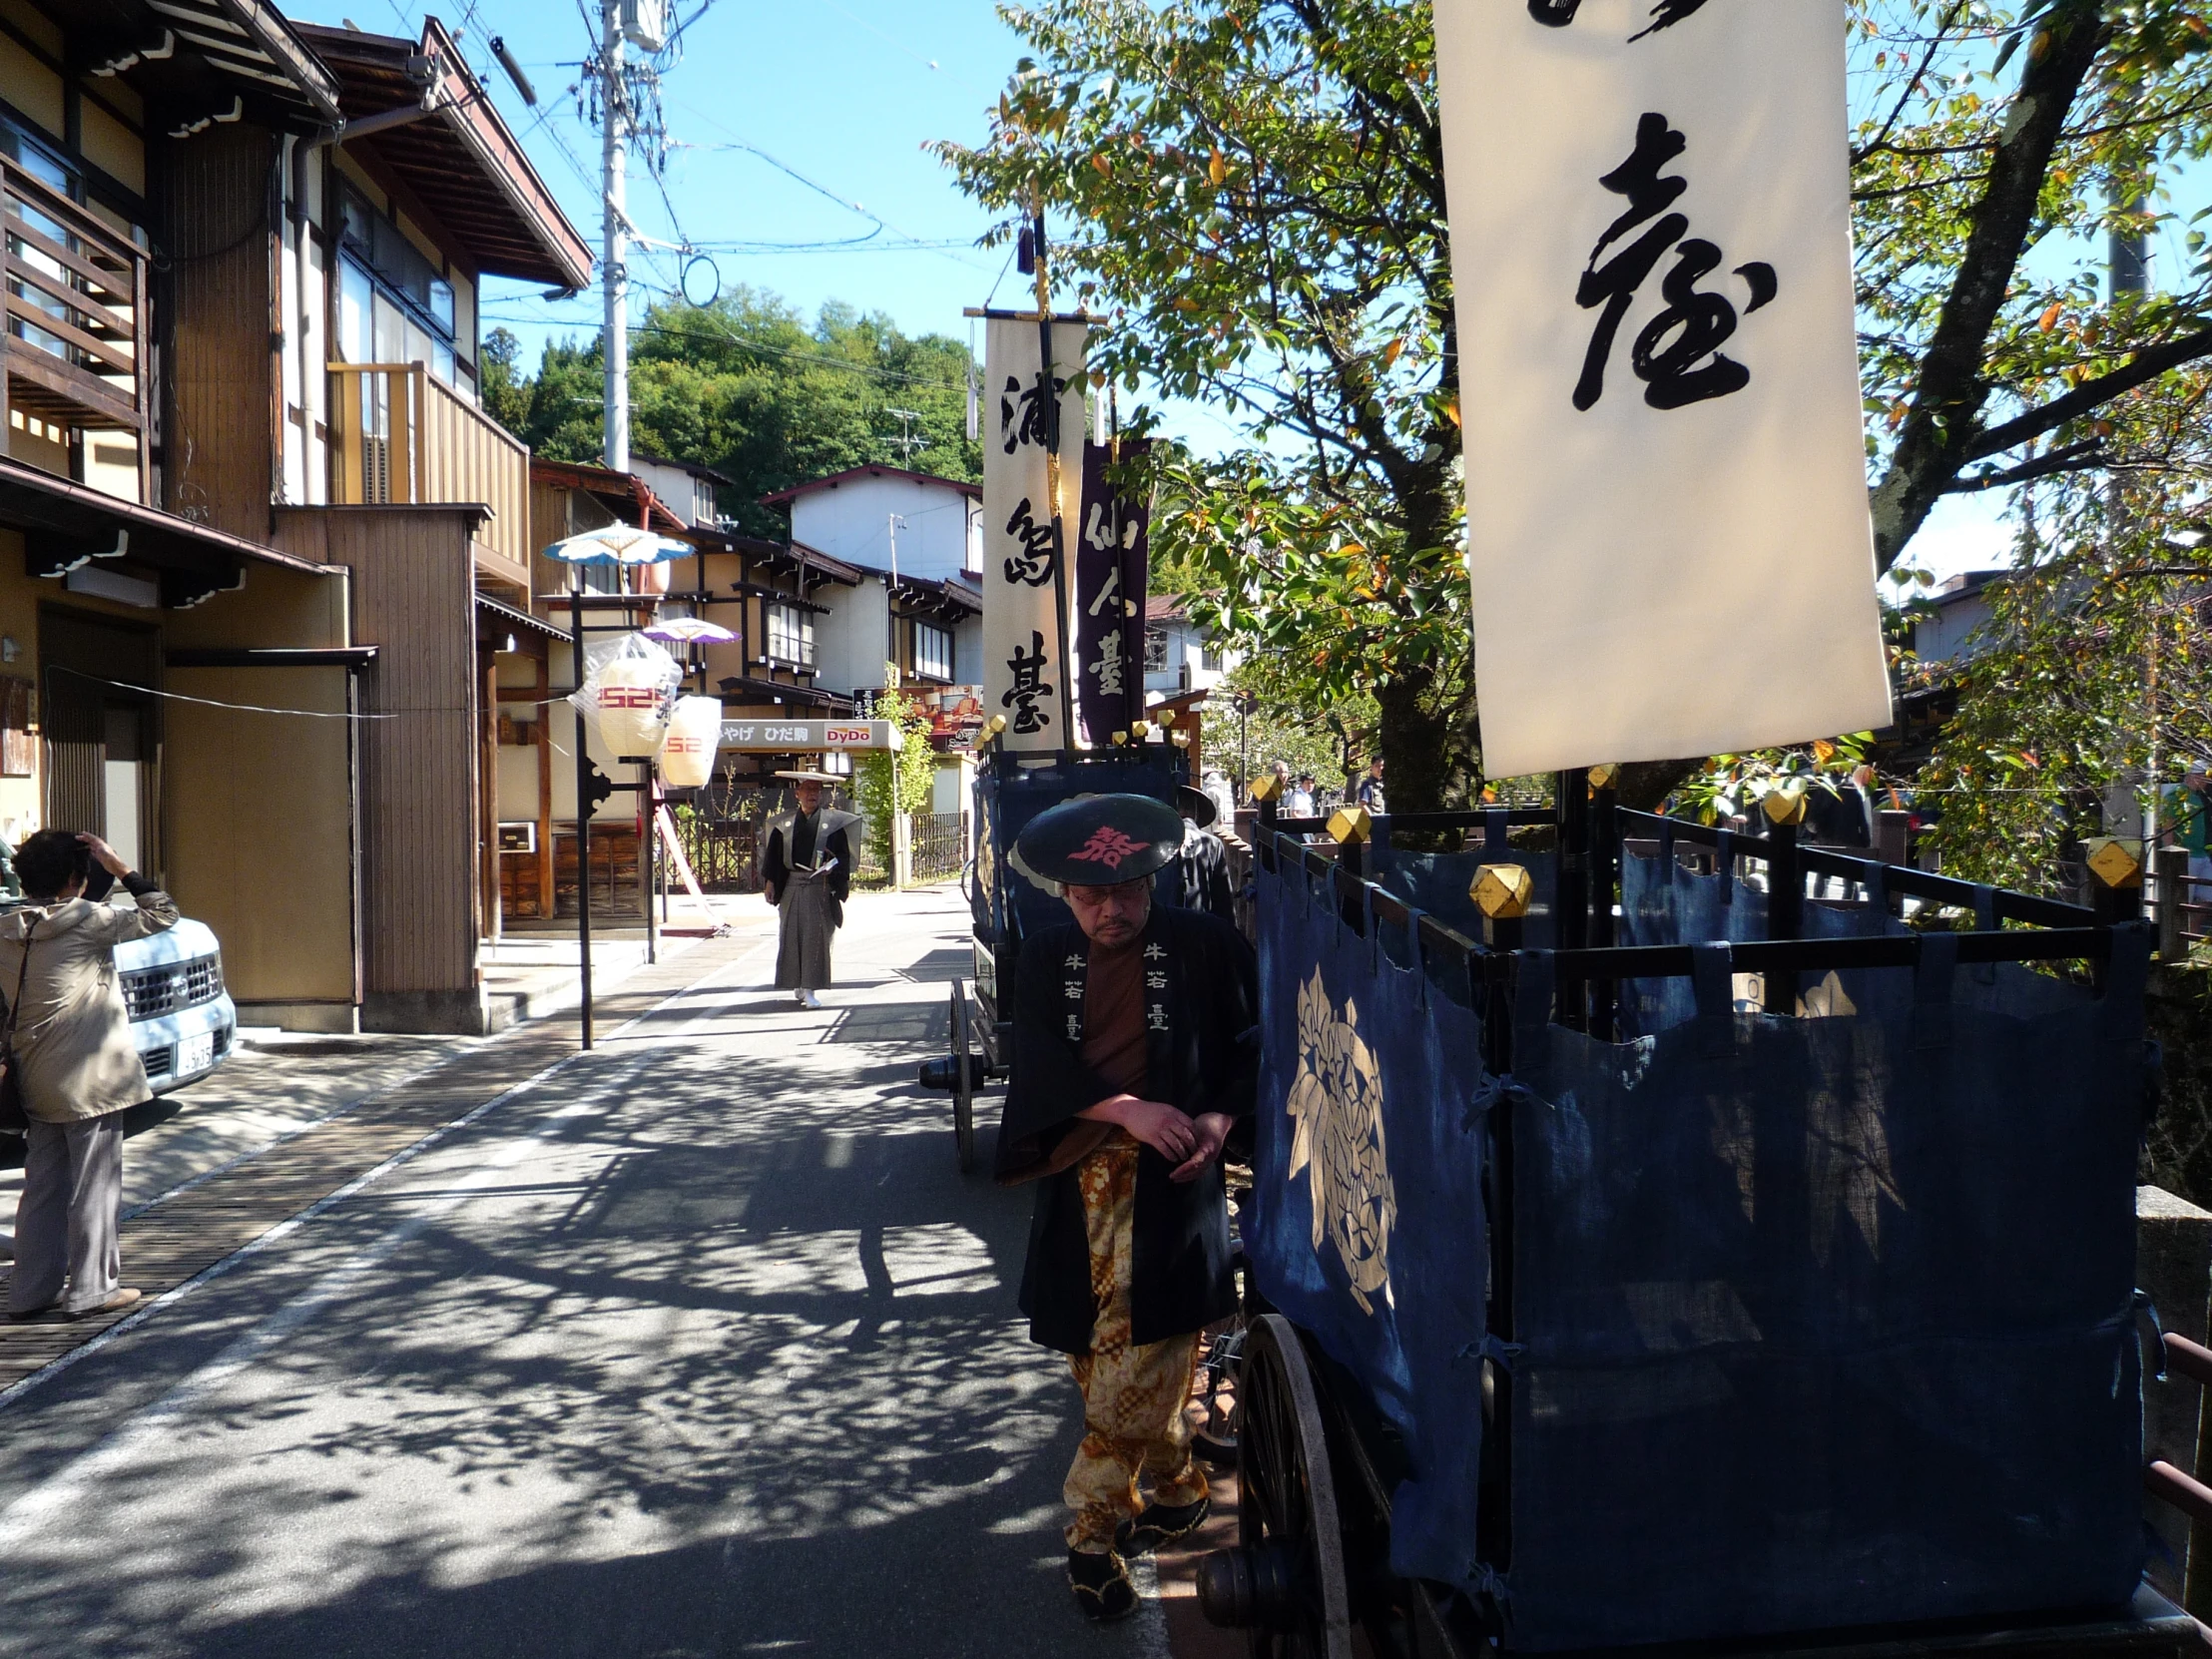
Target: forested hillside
{"x":751,"y":388}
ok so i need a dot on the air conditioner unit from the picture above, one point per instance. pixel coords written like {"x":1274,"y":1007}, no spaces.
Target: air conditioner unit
{"x":645,"y":24}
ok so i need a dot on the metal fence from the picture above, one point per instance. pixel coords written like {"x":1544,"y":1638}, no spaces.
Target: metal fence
{"x":721,"y":838}
{"x":939,"y":845}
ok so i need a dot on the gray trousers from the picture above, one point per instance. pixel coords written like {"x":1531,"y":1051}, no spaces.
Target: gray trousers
{"x":65,"y":1223}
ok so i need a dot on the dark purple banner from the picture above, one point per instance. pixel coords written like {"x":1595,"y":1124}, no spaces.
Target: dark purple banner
{"x":1113,"y":545}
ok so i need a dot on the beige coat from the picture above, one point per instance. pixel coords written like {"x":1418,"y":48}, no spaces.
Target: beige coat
{"x":73,"y":1037}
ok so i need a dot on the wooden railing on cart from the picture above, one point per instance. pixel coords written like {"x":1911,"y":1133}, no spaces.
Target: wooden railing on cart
{"x":83,"y":290}
{"x":399,"y":434}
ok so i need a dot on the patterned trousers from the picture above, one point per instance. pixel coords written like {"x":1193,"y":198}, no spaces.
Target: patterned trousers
{"x":1135,"y":1399}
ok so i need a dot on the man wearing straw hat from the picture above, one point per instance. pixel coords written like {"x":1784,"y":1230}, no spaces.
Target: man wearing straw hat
{"x":1135,"y":1050}
{"x":807,"y":873}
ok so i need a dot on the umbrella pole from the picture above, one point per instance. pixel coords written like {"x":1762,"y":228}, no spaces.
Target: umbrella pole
{"x":583,"y":810}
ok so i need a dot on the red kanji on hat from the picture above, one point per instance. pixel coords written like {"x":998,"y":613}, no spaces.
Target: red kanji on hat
{"x":1107,"y":846}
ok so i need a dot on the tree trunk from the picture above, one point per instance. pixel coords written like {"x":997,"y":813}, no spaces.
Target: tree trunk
{"x":1428,"y":743}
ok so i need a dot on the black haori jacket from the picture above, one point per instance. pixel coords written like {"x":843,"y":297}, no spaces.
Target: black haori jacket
{"x":1201,"y":1005}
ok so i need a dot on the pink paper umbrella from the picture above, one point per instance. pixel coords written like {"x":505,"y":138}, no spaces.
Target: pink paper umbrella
{"x":689,"y":630}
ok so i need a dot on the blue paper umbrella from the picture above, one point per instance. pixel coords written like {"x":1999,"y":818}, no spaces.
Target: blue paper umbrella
{"x":618,"y":544}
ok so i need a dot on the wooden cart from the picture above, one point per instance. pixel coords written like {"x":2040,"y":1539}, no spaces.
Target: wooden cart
{"x":1311,"y":1573}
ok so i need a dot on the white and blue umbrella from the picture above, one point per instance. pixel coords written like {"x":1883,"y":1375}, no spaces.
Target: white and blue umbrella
{"x":619,"y":544}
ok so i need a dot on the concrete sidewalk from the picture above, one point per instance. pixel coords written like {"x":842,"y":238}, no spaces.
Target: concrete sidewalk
{"x":278,"y":1083}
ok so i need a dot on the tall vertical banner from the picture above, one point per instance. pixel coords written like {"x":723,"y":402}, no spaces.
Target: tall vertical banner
{"x":1669,"y":538}
{"x":1112,"y":563}
{"x":1021,"y":627}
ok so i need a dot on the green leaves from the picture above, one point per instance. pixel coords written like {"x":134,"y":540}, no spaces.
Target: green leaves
{"x":1254,"y":197}
{"x":747,"y":387}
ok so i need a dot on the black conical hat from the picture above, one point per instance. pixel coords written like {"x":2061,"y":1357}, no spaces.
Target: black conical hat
{"x":1101,"y":839}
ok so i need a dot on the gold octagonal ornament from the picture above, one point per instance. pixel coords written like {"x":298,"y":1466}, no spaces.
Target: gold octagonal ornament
{"x":1503,"y":892}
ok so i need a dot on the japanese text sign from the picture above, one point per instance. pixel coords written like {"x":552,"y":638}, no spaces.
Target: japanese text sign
{"x":1021,"y":580}
{"x":1668,"y":530}
{"x":1112,"y":564}
{"x":807,"y":737}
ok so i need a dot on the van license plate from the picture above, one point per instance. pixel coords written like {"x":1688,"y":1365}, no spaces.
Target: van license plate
{"x":194,"y":1054}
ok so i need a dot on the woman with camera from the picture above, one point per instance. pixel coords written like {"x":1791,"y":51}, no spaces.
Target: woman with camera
{"x":77,"y":1065}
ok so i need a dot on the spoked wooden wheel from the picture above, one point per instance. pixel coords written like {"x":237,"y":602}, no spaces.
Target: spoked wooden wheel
{"x":963,"y":1080}
{"x":1283,"y":1583}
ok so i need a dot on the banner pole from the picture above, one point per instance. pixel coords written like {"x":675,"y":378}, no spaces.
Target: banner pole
{"x":1049,"y":393}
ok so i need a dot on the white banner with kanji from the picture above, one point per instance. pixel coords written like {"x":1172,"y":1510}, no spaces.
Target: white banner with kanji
{"x":1022,"y":633}
{"x":1668,"y":528}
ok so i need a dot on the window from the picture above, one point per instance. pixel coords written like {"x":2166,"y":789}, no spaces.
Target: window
{"x":932,"y":651}
{"x":790,"y":635}
{"x":394,"y":305}
{"x":1155,"y":651}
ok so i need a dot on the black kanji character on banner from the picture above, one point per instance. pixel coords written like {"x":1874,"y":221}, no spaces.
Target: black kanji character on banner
{"x":1695,"y":325}
{"x":1027,"y":668}
{"x":1032,"y":563}
{"x":1025,"y":415}
{"x":1558,"y":14}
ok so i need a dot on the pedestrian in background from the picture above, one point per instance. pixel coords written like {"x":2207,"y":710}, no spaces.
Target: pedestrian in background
{"x":807,"y":873}
{"x":1371,"y":788}
{"x":78,"y":1069}
{"x":1302,"y":798}
{"x":2187,"y":822}
{"x":1197,"y":880}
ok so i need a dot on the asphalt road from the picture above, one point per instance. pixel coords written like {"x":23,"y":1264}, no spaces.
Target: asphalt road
{"x":698,"y":1345}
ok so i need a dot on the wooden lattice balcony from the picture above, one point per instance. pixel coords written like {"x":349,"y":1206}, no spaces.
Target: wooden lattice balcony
{"x":76,"y":342}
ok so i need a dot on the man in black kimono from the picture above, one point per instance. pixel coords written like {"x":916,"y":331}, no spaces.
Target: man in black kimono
{"x":1198,"y":878}
{"x":1135,"y":1050}
{"x":807,"y":873}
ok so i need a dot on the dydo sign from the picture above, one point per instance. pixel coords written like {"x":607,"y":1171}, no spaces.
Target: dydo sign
{"x":802,"y":737}
{"x":1668,"y":530}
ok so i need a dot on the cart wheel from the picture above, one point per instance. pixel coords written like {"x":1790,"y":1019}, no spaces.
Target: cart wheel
{"x":963,"y":1083}
{"x":1284,"y":1582}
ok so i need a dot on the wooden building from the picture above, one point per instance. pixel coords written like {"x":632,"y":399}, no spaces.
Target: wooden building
{"x":247,"y":471}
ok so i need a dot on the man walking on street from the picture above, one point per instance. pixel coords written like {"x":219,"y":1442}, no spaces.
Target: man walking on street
{"x":807,"y":873}
{"x":1135,"y":1050}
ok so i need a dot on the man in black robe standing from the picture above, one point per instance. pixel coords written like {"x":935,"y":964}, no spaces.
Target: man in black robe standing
{"x":1135,"y":1050}
{"x":807,"y":873}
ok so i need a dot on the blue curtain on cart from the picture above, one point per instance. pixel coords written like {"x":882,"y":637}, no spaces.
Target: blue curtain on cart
{"x":1369,"y":1117}
{"x":1438,"y":883}
{"x":1824,"y":1322}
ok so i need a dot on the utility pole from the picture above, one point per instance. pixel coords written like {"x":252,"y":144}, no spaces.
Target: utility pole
{"x":615,"y":251}
{"x":890,"y":593}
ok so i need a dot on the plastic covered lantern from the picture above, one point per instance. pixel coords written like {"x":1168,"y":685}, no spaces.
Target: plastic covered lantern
{"x":631,"y":693}
{"x":694,"y":733}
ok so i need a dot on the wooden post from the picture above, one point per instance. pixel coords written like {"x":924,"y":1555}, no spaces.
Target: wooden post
{"x":1785,"y":810}
{"x":542,"y":730}
{"x":1604,"y":877}
{"x":2171,"y":866}
{"x":1570,"y":910}
{"x":1504,"y":893}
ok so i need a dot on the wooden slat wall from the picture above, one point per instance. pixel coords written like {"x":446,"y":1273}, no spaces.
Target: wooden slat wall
{"x":220,"y":440}
{"x":414,"y":596}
